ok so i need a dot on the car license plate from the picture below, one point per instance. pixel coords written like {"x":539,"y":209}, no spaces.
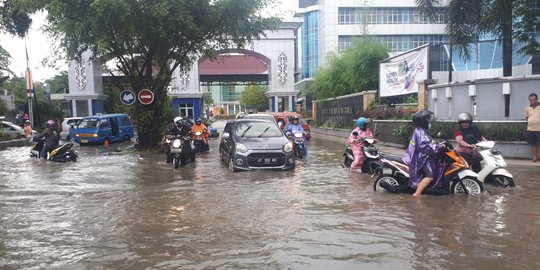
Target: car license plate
{"x":84,"y":141}
{"x":267,"y":160}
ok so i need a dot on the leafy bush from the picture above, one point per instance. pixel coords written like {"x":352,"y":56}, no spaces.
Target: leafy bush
{"x":390,"y":112}
{"x":495,"y":131}
{"x":6,"y":136}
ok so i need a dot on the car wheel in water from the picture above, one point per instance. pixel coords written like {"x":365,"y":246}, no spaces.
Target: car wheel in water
{"x":231,"y":165}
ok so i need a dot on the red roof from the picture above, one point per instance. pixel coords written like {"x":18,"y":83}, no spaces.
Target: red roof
{"x":233,"y":65}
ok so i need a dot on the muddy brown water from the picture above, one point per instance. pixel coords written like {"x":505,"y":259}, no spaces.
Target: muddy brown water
{"x":128,"y":211}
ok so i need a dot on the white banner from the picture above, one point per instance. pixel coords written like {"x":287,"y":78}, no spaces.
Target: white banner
{"x":399,"y":75}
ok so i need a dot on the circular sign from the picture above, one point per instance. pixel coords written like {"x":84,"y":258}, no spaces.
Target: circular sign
{"x":145,"y":96}
{"x":127,"y":97}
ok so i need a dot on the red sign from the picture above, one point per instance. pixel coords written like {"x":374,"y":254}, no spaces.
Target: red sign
{"x":145,"y":96}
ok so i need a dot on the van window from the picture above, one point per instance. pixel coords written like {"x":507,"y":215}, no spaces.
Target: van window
{"x":104,"y":123}
{"x":88,"y":123}
{"x":125,"y":121}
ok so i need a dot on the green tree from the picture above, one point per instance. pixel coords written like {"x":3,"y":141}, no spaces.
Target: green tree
{"x":354,"y":70}
{"x":150,"y":39}
{"x":255,"y":96}
{"x":59,"y":83}
{"x":507,"y":19}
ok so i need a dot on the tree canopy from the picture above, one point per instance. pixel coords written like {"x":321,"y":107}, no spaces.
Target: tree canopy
{"x":150,"y":39}
{"x":353,"y":71}
{"x":255,"y":96}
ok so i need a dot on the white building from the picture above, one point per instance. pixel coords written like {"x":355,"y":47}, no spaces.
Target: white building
{"x":331,"y":25}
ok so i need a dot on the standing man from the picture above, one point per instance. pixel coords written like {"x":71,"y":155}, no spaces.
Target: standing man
{"x":532,"y":114}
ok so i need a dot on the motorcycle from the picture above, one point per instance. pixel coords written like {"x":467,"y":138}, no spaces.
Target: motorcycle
{"x":371,"y":155}
{"x":458,"y":178}
{"x":199,"y":143}
{"x":298,"y":141}
{"x":179,"y":150}
{"x":61,"y":153}
{"x":493,"y":166}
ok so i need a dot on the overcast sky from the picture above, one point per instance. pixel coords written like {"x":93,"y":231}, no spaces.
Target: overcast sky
{"x":40,"y":46}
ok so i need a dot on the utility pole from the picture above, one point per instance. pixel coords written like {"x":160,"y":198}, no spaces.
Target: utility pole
{"x":29,"y":87}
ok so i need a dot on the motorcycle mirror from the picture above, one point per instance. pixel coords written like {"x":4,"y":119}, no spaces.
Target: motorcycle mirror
{"x":377,"y":134}
{"x":355,"y":133}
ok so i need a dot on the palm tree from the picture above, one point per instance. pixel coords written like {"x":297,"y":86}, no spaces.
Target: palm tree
{"x":468,"y":19}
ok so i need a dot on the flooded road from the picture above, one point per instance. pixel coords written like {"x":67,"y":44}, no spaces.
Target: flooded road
{"x":128,"y":211}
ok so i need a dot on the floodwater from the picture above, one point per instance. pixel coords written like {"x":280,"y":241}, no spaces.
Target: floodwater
{"x":112,"y":210}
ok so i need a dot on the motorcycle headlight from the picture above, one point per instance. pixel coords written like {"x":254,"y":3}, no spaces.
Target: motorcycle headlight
{"x":241,"y":148}
{"x":198,"y":133}
{"x":176,"y":143}
{"x":288,"y":147}
{"x":298,"y":135}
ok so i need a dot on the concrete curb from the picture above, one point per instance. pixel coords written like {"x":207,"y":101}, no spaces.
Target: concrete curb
{"x":14,"y":143}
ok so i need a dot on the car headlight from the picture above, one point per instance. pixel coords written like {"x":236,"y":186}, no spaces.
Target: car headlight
{"x":176,"y":143}
{"x":288,"y":147}
{"x":241,"y":148}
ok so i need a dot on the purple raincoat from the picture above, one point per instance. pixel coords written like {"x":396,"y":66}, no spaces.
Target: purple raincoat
{"x":422,"y":151}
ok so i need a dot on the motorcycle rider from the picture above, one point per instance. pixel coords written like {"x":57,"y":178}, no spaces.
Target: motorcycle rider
{"x":421,"y":156}
{"x":200,"y":127}
{"x":50,"y":137}
{"x":295,"y":127}
{"x":466,"y":137}
{"x":180,"y":127}
{"x":360,"y":132}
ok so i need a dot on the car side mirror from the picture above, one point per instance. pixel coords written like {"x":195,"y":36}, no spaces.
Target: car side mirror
{"x":225,"y":135}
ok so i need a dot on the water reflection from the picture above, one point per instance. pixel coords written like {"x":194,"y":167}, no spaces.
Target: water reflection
{"x":131,"y":211}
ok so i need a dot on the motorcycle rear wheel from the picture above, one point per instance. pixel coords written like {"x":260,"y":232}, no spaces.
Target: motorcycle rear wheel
{"x":388,"y":178}
{"x":472,"y":185}
{"x":503,"y":181}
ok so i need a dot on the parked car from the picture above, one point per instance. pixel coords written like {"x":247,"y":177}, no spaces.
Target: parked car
{"x":14,"y":131}
{"x":104,"y":128}
{"x":284,"y":118}
{"x":248,"y":144}
{"x":68,"y":123}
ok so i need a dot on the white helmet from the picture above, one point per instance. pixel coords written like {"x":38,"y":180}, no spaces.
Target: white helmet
{"x":178,"y":121}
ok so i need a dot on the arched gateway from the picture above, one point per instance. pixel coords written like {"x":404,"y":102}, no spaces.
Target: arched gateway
{"x":270,"y":61}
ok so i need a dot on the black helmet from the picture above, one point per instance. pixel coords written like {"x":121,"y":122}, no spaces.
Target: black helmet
{"x":465,"y":117}
{"x":198,"y":120}
{"x":422,"y":118}
{"x":295,"y":117}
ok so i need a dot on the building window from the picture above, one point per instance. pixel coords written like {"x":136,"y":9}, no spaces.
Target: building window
{"x":390,"y":15}
{"x":186,"y":109}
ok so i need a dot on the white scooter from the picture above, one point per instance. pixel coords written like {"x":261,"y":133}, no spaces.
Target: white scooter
{"x":493,"y":166}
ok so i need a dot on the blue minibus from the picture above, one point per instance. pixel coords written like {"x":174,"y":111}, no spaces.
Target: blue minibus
{"x":104,"y":129}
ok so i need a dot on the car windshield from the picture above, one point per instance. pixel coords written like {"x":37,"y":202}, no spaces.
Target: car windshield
{"x":257,"y":129}
{"x":259,"y":116}
{"x":88,"y":123}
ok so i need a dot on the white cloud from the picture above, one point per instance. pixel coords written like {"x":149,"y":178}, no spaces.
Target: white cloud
{"x":40,"y":45}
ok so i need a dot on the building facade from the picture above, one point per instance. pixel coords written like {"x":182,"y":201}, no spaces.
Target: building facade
{"x":331,"y":25}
